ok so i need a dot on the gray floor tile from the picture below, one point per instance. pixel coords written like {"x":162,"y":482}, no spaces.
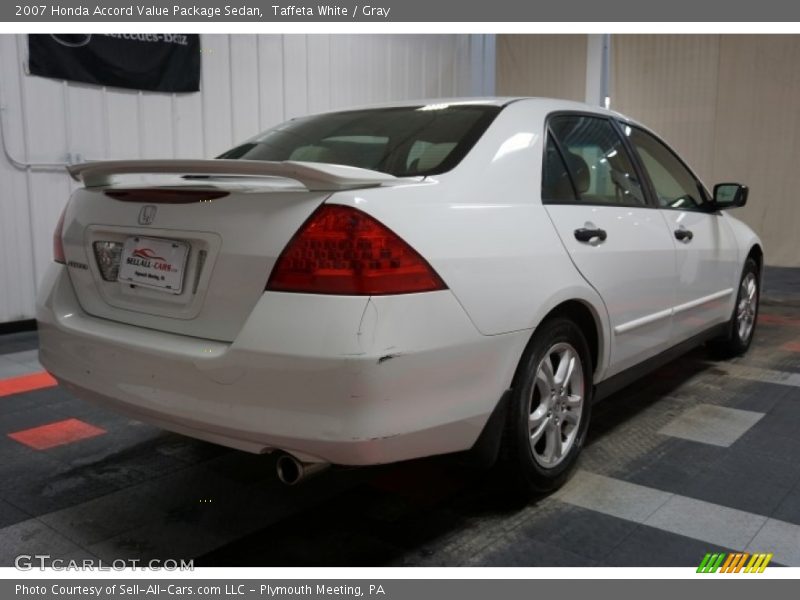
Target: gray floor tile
{"x":650,"y":547}
{"x":708,"y":522}
{"x":586,"y":532}
{"x":45,"y":396}
{"x":18,"y":342}
{"x":25,"y":357}
{"x":154,"y":540}
{"x":519,"y":551}
{"x":765,"y":375}
{"x":760,"y":396}
{"x":770,"y":445}
{"x":10,"y":514}
{"x":10,"y":368}
{"x":673,"y":465}
{"x":781,"y":285}
{"x":710,"y":424}
{"x":789,"y":508}
{"x":744,"y":480}
{"x":34,"y":537}
{"x":780,"y":538}
{"x":784,"y":418}
{"x":107,"y":516}
{"x":612,"y":496}
{"x":38,"y":484}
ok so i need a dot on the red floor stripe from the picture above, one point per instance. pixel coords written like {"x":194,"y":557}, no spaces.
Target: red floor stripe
{"x":791,"y":346}
{"x":769,"y":319}
{"x":26,"y":383}
{"x":56,"y":434}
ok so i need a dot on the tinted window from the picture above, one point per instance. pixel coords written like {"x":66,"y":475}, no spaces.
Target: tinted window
{"x":598,"y":164}
{"x":556,"y":183}
{"x":415,"y":140}
{"x":674,"y":184}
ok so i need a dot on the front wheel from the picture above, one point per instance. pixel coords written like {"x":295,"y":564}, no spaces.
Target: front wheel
{"x":549,"y":409}
{"x":745,"y":314}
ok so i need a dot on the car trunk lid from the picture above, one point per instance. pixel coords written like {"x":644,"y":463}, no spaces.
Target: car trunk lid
{"x":194,"y":241}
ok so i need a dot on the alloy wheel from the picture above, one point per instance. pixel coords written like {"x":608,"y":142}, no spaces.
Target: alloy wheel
{"x":556,"y":405}
{"x":746,"y":309}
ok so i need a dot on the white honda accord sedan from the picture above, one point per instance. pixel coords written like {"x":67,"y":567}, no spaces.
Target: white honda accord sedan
{"x":381,"y":284}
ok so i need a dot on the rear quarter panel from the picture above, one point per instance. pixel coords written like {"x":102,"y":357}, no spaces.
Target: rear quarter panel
{"x":483,"y":228}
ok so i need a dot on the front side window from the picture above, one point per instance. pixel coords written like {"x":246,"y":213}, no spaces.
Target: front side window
{"x":401,"y":141}
{"x":673,"y":183}
{"x":595,"y":158}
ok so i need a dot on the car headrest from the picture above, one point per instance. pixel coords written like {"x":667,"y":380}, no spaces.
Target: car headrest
{"x":312,"y":154}
{"x":580,"y":172}
{"x":434,"y":155}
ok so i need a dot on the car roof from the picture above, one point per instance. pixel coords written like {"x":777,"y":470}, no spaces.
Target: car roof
{"x":545,"y":104}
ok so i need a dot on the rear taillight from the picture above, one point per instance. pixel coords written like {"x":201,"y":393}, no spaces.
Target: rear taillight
{"x":341,"y":250}
{"x":58,"y":242}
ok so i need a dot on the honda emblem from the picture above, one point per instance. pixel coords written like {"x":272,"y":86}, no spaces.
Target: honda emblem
{"x":147,"y":215}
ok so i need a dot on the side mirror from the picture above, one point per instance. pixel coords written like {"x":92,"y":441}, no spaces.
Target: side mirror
{"x":729,"y":195}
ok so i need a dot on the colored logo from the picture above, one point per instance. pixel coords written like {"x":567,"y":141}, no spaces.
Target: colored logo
{"x":734,"y":562}
{"x":147,"y":254}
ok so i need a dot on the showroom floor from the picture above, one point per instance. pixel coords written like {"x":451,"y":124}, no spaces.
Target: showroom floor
{"x":701,"y":456}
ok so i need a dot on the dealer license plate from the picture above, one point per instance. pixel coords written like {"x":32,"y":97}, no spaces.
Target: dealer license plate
{"x":154,"y":262}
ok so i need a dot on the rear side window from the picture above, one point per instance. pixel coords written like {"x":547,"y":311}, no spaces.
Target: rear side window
{"x":595,"y":159}
{"x":556,"y":182}
{"x":402,"y":141}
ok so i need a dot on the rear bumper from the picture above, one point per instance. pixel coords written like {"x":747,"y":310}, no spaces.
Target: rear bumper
{"x":347,"y":380}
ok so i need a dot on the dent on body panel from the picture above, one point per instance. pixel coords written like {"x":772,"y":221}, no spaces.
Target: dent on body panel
{"x":365,"y":336}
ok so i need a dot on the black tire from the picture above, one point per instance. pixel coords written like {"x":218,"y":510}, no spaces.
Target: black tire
{"x":522,"y":459}
{"x":738,"y":338}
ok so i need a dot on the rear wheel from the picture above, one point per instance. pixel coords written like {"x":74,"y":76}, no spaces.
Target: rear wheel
{"x":549,"y":409}
{"x":745,"y":313}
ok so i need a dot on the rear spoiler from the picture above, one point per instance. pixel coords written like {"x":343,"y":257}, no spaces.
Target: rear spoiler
{"x":314,"y":176}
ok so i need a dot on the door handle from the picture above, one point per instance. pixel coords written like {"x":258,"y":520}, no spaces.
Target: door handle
{"x":585,"y":234}
{"x":683,"y":235}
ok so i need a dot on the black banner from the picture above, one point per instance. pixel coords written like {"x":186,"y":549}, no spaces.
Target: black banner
{"x":153,"y":62}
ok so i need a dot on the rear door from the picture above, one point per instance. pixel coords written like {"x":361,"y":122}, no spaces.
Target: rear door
{"x":706,"y":250}
{"x":616,"y":239}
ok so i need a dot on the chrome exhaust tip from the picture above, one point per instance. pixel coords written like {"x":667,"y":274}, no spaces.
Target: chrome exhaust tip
{"x":292,"y":471}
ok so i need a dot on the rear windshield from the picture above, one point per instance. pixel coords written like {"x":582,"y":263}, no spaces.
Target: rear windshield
{"x":406,"y":141}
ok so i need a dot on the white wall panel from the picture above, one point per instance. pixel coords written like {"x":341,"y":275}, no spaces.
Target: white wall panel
{"x":244,"y":85}
{"x":270,"y":80}
{"x":319,"y":73}
{"x":122,"y":124}
{"x":248,"y":83}
{"x":217,"y":92}
{"x":16,"y":260}
{"x":295,"y":76}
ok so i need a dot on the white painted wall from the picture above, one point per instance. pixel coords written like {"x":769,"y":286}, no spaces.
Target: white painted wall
{"x":249,"y":82}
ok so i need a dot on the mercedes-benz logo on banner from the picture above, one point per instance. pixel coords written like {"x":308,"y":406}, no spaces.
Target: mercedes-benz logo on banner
{"x":147,"y":215}
{"x":72,"y":40}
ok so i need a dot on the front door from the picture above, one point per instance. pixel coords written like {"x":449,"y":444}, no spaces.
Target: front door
{"x":706,"y":250}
